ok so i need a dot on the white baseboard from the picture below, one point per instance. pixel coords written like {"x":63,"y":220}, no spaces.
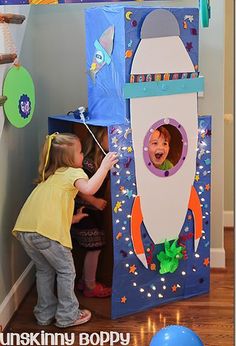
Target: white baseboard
{"x":228,"y":218}
{"x":217,"y":258}
{"x":17,"y":293}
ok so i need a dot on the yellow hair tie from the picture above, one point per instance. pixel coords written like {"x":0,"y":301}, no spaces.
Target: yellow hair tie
{"x":50,"y":138}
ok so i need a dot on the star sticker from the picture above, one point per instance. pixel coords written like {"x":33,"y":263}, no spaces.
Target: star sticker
{"x":117,"y":206}
{"x":123,"y":299}
{"x":123,"y":253}
{"x":189,"y":217}
{"x":197,"y":177}
{"x":206,"y":261}
{"x":114,"y":140}
{"x":153,"y":266}
{"x":112,"y":130}
{"x":127,"y":132}
{"x":129,"y":149}
{"x":201,"y":153}
{"x":203,"y":135}
{"x":119,"y":235}
{"x":189,"y":17}
{"x":122,"y":188}
{"x":93,"y":67}
{"x":207,"y":187}
{"x":185,"y":25}
{"x":129,"y":45}
{"x":189,"y":46}
{"x":127,"y":163}
{"x":193,"y":31}
{"x":207,"y":161}
{"x":132,"y":269}
{"x":174,"y":288}
{"x":129,"y":193}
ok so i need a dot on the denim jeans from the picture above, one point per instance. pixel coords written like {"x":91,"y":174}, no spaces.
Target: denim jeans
{"x":52,"y":260}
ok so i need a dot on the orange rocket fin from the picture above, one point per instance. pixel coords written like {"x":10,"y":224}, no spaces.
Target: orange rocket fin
{"x":136,"y":221}
{"x":195,"y":206}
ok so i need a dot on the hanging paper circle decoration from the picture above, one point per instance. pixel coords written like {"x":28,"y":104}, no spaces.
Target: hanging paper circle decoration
{"x":18,"y":86}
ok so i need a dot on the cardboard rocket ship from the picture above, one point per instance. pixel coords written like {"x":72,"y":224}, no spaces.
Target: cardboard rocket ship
{"x":163,"y":195}
{"x":143,"y":82}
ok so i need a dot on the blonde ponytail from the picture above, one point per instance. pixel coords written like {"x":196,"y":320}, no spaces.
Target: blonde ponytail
{"x":58,"y":151}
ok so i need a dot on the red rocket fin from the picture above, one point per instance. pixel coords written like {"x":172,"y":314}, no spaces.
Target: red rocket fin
{"x":195,"y":206}
{"x":136,"y":221}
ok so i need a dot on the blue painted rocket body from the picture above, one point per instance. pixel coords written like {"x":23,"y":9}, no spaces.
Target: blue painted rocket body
{"x":164,"y":198}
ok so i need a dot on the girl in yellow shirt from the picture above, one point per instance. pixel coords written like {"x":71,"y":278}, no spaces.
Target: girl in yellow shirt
{"x":43,"y":226}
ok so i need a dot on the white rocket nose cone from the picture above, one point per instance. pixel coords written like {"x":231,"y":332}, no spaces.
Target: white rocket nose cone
{"x":160,"y":23}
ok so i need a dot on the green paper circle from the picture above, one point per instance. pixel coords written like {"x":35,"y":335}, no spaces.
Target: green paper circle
{"x":18,"y":86}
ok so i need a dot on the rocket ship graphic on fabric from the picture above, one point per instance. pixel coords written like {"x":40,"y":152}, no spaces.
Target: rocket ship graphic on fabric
{"x":102,"y":55}
{"x":163,"y":195}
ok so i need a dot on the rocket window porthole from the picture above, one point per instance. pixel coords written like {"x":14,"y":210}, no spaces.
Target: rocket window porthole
{"x":165,"y":147}
{"x":99,"y":57}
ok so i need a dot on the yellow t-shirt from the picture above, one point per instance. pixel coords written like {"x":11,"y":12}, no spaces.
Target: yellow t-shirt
{"x":49,"y":208}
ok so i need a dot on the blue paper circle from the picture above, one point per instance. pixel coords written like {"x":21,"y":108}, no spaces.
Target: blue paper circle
{"x":176,"y":336}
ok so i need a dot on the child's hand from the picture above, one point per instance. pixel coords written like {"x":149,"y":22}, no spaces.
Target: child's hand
{"x":100,"y":203}
{"x":79,"y":215}
{"x":109,"y":160}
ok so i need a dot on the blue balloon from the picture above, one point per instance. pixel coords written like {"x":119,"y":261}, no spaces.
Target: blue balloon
{"x":176,"y":336}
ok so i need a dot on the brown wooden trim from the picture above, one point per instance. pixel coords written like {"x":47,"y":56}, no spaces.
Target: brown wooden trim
{"x":7,"y":58}
{"x":11,"y":18}
{"x":218,"y":270}
{"x":229,"y":229}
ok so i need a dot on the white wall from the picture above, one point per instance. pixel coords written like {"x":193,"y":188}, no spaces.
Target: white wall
{"x":17,"y":169}
{"x":53,"y":50}
{"x":212,"y":67}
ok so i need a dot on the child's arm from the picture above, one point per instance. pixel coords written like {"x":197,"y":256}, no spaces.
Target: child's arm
{"x":91,"y":186}
{"x":96,"y":202}
{"x":79,"y":215}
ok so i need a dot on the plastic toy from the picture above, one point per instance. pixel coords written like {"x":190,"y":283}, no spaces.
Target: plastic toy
{"x":176,"y":335}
